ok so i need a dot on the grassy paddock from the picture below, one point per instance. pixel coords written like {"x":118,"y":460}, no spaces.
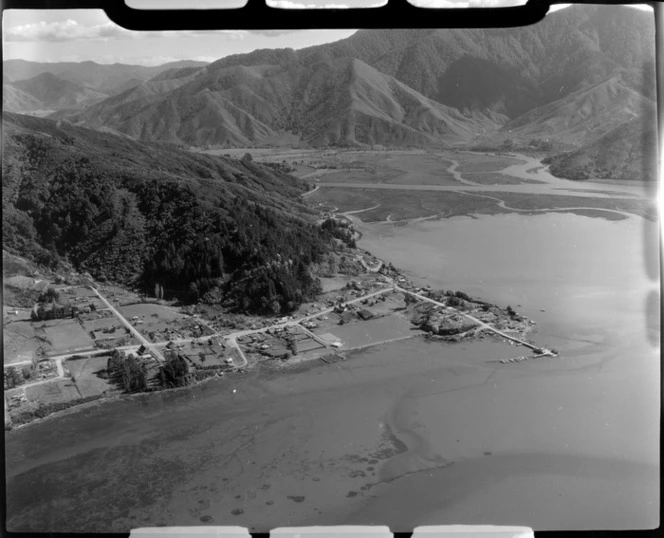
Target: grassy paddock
{"x":490,"y":178}
{"x":60,"y":391}
{"x":404,"y":205}
{"x":84,"y":373}
{"x":473,"y":163}
{"x":67,"y":334}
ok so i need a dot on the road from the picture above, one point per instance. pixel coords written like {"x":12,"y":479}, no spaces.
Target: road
{"x":153,"y":350}
{"x":309,"y":193}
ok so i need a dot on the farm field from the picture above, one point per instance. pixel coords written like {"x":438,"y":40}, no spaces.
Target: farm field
{"x":478,"y":162}
{"x":20,"y":342}
{"x":64,"y":335}
{"x":492,"y":178}
{"x":62,"y":390}
{"x":358,"y":333}
{"x":84,"y":373}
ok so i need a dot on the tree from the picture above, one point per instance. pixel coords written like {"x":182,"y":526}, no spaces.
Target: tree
{"x":49,"y":295}
{"x":174,"y":371}
{"x":134,"y":374}
{"x":508,"y":144}
{"x":12,"y":377}
{"x":247,"y":158}
{"x":193,"y":292}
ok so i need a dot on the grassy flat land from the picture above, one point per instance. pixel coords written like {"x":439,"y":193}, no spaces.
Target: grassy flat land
{"x":102,"y":323}
{"x":640,"y":207}
{"x":84,"y":373}
{"x":492,"y":178}
{"x":65,"y":335}
{"x":404,"y":205}
{"x":360,"y":333}
{"x":399,"y":168}
{"x":20,"y":342}
{"x":475,"y":162}
{"x":63,"y":390}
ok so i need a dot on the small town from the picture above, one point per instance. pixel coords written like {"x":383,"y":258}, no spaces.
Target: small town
{"x":81,"y":341}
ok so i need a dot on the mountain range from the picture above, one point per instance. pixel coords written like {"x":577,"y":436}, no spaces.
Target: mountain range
{"x":34,"y":86}
{"x":582,"y":74}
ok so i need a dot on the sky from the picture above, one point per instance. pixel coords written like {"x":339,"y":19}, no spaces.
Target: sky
{"x":82,"y":35}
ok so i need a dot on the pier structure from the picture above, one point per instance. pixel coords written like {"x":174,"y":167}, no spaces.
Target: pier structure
{"x":483,"y":325}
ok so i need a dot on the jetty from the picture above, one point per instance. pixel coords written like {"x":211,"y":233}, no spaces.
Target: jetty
{"x":539,"y":351}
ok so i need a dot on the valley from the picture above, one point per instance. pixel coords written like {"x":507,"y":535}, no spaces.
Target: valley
{"x":409,"y":277}
{"x":275,"y":413}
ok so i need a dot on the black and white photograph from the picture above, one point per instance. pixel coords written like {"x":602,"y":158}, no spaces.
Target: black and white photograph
{"x":311,"y":276}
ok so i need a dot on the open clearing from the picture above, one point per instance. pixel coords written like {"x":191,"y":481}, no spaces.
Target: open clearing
{"x":492,"y":178}
{"x":84,"y":375}
{"x":65,"y":335}
{"x":145,"y":310}
{"x":397,"y":205}
{"x":359,"y":333}
{"x":332,"y":284}
{"x":62,"y":390}
{"x":401,"y":169}
{"x":477,"y":162}
{"x":20,"y":342}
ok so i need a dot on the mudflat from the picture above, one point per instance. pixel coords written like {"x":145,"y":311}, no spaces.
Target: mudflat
{"x":411,"y":432}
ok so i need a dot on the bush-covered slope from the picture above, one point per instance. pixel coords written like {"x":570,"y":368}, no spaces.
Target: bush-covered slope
{"x":196,"y":226}
{"x":628,"y":152}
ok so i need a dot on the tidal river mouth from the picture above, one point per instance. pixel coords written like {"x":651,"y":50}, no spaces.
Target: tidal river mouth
{"x":409,"y":433}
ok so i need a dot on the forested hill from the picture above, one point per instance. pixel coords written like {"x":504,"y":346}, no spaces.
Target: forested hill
{"x":202,"y":227}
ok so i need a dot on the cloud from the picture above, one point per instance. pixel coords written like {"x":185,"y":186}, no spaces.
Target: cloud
{"x":68,"y":30}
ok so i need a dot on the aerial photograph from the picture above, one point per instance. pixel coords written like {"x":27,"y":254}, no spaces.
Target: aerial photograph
{"x":277,"y":278}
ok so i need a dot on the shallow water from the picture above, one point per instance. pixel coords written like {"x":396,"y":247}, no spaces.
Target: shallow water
{"x":413,"y":432}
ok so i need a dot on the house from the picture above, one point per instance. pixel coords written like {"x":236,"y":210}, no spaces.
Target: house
{"x":365,"y":314}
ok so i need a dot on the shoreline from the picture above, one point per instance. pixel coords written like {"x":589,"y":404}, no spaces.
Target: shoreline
{"x":304,"y":361}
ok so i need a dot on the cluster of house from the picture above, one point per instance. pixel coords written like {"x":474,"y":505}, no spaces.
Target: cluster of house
{"x":348,"y":312}
{"x":210,"y":355}
{"x":276,"y":343}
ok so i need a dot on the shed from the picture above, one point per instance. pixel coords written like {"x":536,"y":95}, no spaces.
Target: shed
{"x":365,"y":314}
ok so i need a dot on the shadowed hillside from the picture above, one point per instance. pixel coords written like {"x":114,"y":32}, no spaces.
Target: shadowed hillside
{"x":201,"y":227}
{"x":626,"y":152}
